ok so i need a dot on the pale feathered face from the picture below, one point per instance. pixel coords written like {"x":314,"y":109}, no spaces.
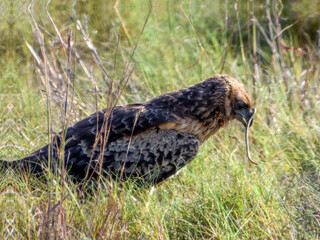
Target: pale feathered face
{"x":239,"y":105}
{"x":242,"y":108}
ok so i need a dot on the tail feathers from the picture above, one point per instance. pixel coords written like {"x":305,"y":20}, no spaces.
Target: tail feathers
{"x":30,"y":165}
{"x":4,"y":164}
{"x":34,"y":164}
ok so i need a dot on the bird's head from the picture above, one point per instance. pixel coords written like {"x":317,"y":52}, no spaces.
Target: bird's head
{"x":217,"y":101}
{"x":240,"y":104}
{"x":237,"y":103}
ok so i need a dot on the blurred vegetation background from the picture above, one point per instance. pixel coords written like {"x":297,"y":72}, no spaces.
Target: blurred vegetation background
{"x":63,"y":60}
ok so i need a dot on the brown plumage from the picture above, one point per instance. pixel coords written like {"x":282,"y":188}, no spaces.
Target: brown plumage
{"x":148,"y":141}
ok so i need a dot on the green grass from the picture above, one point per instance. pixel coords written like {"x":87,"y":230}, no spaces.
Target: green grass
{"x":219,"y":195}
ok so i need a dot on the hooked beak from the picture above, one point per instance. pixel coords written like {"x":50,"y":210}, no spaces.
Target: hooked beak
{"x":244,"y":116}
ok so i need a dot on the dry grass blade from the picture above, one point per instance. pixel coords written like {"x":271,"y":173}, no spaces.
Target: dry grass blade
{"x":197,"y":37}
{"x":65,"y":46}
{"x":92,"y":48}
{"x":255,"y":20}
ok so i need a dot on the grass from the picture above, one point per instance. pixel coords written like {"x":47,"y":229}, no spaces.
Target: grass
{"x":219,"y":195}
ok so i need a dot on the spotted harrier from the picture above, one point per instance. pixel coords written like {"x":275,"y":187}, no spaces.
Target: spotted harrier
{"x":149,"y":141}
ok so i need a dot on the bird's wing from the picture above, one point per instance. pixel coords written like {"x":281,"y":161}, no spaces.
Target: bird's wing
{"x":151,"y":156}
{"x":123,"y":121}
{"x":82,"y":139}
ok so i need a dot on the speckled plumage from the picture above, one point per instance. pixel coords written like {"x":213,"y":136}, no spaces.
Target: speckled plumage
{"x":150,"y":141}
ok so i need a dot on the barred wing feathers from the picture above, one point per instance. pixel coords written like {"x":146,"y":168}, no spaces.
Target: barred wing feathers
{"x":130,"y":143}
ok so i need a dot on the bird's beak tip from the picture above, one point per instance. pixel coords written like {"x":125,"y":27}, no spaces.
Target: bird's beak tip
{"x":245,"y":117}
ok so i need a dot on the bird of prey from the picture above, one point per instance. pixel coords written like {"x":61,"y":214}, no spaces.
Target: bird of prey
{"x":149,"y":141}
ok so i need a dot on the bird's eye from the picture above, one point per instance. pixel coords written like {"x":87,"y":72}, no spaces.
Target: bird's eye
{"x":241,"y":104}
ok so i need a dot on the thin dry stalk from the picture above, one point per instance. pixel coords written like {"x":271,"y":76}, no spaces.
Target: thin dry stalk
{"x":197,"y":37}
{"x":115,"y":7}
{"x":77,"y":55}
{"x":239,"y":29}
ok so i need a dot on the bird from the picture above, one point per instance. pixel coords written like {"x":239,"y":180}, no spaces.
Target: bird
{"x":147,"y":141}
